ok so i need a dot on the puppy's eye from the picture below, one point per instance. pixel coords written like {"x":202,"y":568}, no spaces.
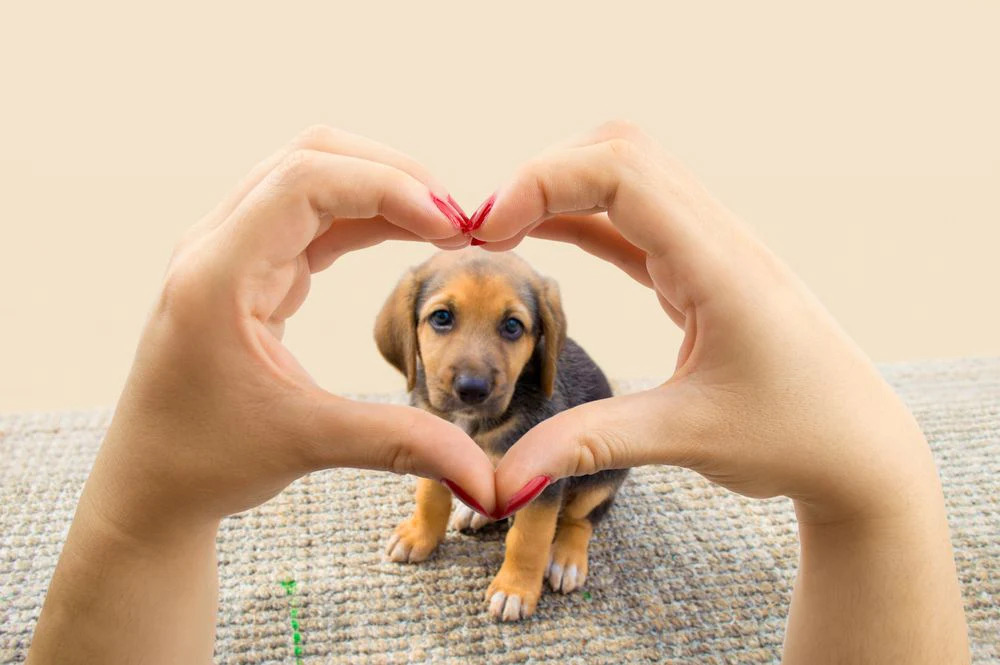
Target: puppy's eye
{"x":511,"y":328}
{"x":441,"y":319}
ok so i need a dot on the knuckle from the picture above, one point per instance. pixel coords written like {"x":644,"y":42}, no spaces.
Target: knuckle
{"x":400,"y":449}
{"x":317,"y":135}
{"x":183,"y":245}
{"x":535,"y":175}
{"x":295,"y":166}
{"x":531,"y":170}
{"x":621,"y":129}
{"x":596,"y":451}
{"x":183,"y":288}
{"x":622,"y":149}
{"x":399,"y":458}
{"x":416,"y":171}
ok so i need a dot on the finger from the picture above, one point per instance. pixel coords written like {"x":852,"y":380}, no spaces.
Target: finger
{"x":608,"y":176}
{"x":610,"y":131}
{"x":455,"y":242}
{"x":658,"y":426}
{"x":321,"y":138}
{"x":339,"y":238}
{"x":401,"y":439}
{"x":504,"y":245}
{"x":510,"y":243}
{"x":292,"y":205}
{"x":653,"y":202}
{"x":595,"y":234}
{"x":349,"y":235}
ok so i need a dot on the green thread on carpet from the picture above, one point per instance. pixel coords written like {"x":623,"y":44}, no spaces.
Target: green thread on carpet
{"x":293,"y":618}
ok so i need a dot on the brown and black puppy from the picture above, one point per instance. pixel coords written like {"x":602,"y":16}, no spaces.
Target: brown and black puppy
{"x":481,"y":339}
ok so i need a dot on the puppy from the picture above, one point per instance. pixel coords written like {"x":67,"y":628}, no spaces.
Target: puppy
{"x":481,"y":339}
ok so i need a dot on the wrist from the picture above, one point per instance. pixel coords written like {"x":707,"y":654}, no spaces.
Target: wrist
{"x":136,"y":491}
{"x":891,"y":478}
{"x":139,"y":531}
{"x":906,"y":493}
{"x":878,"y":588}
{"x":160,"y":583}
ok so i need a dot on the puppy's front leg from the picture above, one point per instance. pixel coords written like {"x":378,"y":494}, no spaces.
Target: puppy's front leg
{"x":415,"y":539}
{"x":515,"y":590}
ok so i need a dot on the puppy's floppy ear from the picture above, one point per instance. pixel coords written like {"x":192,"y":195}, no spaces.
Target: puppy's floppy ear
{"x":553,"y":332}
{"x":396,"y":328}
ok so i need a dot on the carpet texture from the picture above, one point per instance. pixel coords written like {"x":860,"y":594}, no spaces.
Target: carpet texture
{"x":680,"y":571}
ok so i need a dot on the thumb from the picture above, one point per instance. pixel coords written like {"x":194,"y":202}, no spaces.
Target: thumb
{"x":650,"y":427}
{"x":404,"y":440}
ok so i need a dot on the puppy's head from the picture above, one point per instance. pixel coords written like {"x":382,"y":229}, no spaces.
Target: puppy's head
{"x":469,"y":323}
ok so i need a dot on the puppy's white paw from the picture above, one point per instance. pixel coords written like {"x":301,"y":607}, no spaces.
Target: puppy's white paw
{"x":513,"y":594}
{"x":567,"y":569}
{"x":565,"y":580}
{"x":506,"y":608}
{"x":411,"y":542}
{"x":466,"y":519}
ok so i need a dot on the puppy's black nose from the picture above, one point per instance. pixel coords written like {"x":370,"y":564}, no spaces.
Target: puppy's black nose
{"x":472,"y":389}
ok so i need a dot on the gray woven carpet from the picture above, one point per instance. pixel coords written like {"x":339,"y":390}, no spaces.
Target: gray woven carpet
{"x":680,"y":571}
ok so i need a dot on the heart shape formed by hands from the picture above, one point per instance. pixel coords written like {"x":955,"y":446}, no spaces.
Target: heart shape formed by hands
{"x":768,"y":396}
{"x":236,"y":277}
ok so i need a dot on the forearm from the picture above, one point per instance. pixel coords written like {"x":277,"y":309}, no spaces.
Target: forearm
{"x":879,"y":591}
{"x":115,"y":598}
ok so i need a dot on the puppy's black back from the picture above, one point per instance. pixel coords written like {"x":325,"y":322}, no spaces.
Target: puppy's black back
{"x":579,"y":379}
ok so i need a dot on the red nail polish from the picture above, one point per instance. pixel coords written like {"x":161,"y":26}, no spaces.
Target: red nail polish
{"x":464,"y":496}
{"x":479,"y":216}
{"x":448,"y":212}
{"x":525,"y":495}
{"x":461,"y":213}
{"x":476,"y":242}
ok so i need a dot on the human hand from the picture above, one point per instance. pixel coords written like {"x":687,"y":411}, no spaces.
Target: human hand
{"x":768,"y":396}
{"x":217,"y":416}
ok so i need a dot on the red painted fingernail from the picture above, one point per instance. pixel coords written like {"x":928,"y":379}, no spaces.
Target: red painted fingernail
{"x":448,"y":212}
{"x":464,"y":496}
{"x":525,"y":495}
{"x":461,"y":213}
{"x":482,"y":211}
{"x":476,"y":242}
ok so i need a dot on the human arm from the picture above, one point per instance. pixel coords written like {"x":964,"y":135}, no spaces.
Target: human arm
{"x":217,"y":416}
{"x":768,"y":397}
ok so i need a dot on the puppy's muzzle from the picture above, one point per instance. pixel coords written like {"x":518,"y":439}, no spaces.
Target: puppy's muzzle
{"x":472,"y":389}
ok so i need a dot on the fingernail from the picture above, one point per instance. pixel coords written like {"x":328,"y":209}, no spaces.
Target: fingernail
{"x":464,"y":496}
{"x":482,"y":211}
{"x":525,"y":495}
{"x":475,"y":242}
{"x":449,"y":212}
{"x":461,"y":213}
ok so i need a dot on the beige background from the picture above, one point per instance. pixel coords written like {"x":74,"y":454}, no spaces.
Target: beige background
{"x":860,"y":138}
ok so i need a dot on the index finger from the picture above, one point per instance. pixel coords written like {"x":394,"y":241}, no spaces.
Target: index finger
{"x":608,"y":176}
{"x":294,"y":203}
{"x":595,"y":234}
{"x":321,"y":138}
{"x":652,"y":202}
